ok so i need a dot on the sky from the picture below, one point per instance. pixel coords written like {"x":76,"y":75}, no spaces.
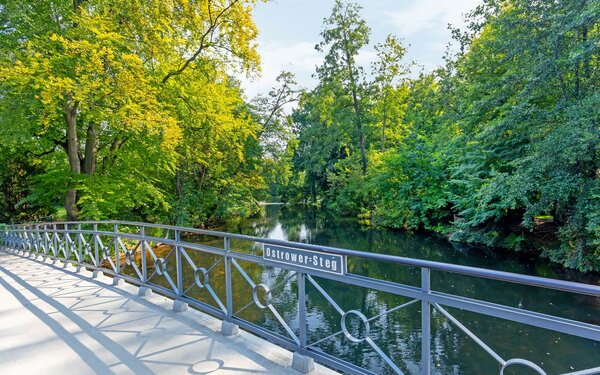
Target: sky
{"x":290,"y":29}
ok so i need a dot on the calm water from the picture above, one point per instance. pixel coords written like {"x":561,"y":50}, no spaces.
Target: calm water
{"x":398,"y":333}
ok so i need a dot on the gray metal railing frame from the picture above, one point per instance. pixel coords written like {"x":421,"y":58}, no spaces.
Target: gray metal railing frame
{"x":55,"y":241}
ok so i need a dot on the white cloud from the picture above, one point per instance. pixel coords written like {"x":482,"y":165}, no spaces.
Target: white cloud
{"x":289,"y":32}
{"x":299,"y":58}
{"x":366,"y":57}
{"x":428,"y":15}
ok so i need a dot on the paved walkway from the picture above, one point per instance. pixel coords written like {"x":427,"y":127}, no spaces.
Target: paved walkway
{"x":59,"y":322}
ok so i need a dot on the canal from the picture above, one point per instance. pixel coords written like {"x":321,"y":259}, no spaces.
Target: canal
{"x":398,"y":333}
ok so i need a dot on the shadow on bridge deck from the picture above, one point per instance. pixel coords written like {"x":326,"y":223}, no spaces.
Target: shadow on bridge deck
{"x":60,"y":322}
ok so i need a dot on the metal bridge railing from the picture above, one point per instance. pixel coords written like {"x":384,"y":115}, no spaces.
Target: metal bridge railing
{"x":130,"y":250}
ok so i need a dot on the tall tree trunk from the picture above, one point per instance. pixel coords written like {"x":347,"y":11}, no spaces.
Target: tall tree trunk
{"x":178,"y":187}
{"x":73,"y":156}
{"x":91,"y":150}
{"x":357,"y":115}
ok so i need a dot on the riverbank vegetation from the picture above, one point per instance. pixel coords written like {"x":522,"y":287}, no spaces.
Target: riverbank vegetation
{"x":132,"y":110}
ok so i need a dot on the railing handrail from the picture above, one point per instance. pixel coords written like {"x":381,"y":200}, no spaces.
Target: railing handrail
{"x":511,"y":277}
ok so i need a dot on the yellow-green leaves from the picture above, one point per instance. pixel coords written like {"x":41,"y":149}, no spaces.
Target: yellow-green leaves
{"x":114,"y":94}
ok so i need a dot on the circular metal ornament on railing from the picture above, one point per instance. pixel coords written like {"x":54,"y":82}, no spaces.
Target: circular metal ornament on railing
{"x":105,"y":254}
{"x":255,"y":295}
{"x":201,"y":271}
{"x":522,"y":362}
{"x":365,"y":322}
{"x":161,"y":266}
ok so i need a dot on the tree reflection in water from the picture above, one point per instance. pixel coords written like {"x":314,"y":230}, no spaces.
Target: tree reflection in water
{"x":398,"y":333}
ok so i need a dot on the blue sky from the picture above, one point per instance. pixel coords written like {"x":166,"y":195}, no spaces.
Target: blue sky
{"x":289,"y":30}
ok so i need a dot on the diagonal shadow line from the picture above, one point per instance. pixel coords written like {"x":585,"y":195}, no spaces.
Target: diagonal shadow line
{"x":65,"y":293}
{"x":199,"y":328}
{"x":152,"y":315}
{"x":211,"y":350}
{"x":124,"y":356}
{"x":86,"y":354}
{"x":176,"y":347}
{"x":84,"y":307}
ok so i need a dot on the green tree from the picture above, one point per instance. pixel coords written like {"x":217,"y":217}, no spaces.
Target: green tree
{"x":277,"y":135}
{"x":389,"y":95}
{"x":529,"y":89}
{"x":104,"y":83}
{"x":344,"y":35}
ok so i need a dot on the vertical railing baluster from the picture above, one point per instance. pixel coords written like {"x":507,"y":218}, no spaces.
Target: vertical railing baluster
{"x":45,"y":242}
{"x":178,"y":262}
{"x":96,"y":250}
{"x":31,"y":239}
{"x":143,"y":248}
{"x":37,"y":239}
{"x":117,"y":248}
{"x":228,"y":281}
{"x":79,"y":244}
{"x":66,"y":237}
{"x":72,"y":246}
{"x":425,"y":322}
{"x":54,"y":242}
{"x":26,"y":240}
{"x":302,"y":308}
{"x":228,"y":328}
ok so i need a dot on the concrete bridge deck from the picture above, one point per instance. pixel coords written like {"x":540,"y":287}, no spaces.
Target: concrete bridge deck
{"x":54,"y":321}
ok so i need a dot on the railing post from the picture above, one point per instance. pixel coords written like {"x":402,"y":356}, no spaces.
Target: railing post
{"x":45,"y":242}
{"x":228,"y":286}
{"x":227,"y":327}
{"x":26,"y":236}
{"x":178,"y":305}
{"x":72,"y":246}
{"x":97,"y":273}
{"x":300,"y":362}
{"x":96,"y":253}
{"x":79,"y":247}
{"x":55,"y":244}
{"x":117,"y":249}
{"x":178,"y":263}
{"x":302,"y":308}
{"x":117,"y":280}
{"x":29,"y":240}
{"x":37,"y":239}
{"x":67,"y":244}
{"x":143,"y":249}
{"x":425,"y":323}
{"x":143,"y":290}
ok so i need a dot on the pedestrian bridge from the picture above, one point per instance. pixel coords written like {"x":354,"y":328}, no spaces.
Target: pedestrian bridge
{"x":114,"y":297}
{"x":57,"y":321}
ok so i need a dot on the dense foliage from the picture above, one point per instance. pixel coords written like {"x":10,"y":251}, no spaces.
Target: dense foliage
{"x":499,"y":147}
{"x":131,"y":109}
{"x":127,"y":109}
